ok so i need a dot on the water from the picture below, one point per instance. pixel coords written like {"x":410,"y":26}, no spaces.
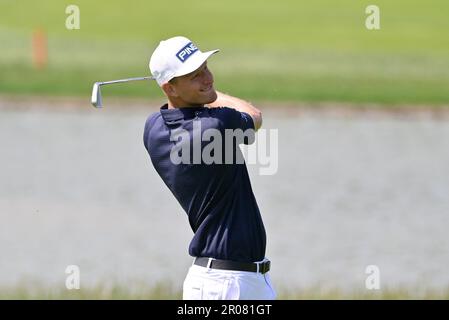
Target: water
{"x":77,"y":188}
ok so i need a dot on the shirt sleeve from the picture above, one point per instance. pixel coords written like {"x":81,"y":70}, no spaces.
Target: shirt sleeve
{"x":234,"y":119}
{"x":237,"y":120}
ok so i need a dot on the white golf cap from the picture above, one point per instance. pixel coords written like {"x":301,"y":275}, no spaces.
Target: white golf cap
{"x":176,"y":57}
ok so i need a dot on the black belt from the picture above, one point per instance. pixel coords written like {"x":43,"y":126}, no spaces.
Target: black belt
{"x":264,"y":266}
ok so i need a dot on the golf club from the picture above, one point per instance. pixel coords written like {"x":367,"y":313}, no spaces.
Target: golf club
{"x":96,"y":92}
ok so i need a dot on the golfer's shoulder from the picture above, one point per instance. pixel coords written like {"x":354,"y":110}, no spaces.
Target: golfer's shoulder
{"x":150,"y":124}
{"x":152,"y":119}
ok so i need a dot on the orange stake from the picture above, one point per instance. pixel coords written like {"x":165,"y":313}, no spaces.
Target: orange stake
{"x":39,"y":49}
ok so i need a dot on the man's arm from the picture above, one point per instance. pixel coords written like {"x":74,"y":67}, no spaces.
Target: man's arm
{"x":224,"y":100}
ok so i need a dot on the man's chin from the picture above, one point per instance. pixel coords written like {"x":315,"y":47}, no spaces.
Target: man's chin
{"x":211,"y":97}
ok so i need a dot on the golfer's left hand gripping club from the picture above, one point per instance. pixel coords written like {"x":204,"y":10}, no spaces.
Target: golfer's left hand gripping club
{"x":96,"y":92}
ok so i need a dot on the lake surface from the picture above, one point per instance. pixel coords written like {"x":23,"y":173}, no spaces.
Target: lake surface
{"x":351,"y":190}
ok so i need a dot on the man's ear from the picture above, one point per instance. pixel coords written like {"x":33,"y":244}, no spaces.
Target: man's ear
{"x":169,"y":89}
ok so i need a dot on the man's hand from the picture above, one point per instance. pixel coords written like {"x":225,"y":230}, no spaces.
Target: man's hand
{"x":224,"y":100}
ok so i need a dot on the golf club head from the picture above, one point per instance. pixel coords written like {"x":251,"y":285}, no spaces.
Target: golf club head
{"x":96,"y":95}
{"x":96,"y":92}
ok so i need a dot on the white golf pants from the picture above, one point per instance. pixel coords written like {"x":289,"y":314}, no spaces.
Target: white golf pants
{"x":202,"y":283}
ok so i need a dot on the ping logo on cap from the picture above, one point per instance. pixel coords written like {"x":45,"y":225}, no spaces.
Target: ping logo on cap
{"x":186,"y":52}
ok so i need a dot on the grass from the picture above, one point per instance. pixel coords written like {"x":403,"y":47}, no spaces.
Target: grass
{"x":384,"y":294}
{"x":167,"y":292}
{"x":99,"y":292}
{"x":279,"y":51}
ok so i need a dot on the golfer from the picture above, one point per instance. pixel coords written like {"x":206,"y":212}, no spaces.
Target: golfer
{"x":228,"y":246}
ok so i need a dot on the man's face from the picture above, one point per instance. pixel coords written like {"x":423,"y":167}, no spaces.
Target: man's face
{"x":195,"y":88}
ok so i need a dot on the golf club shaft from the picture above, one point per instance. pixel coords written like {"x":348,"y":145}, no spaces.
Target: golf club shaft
{"x":126,"y":80}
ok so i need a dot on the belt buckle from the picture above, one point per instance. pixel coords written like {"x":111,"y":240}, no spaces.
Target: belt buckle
{"x":264,"y":267}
